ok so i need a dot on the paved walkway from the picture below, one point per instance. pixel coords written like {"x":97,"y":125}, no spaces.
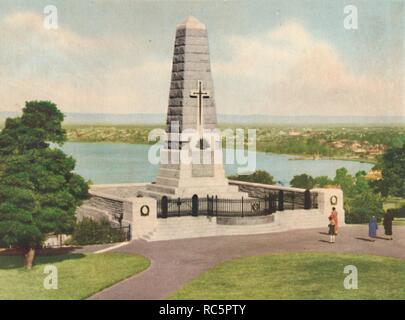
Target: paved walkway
{"x":178,"y":261}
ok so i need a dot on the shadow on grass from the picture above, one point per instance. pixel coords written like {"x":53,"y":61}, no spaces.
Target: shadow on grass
{"x":39,"y":251}
{"x":15,"y":261}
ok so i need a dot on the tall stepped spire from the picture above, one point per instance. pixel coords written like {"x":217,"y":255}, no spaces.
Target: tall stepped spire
{"x":191,"y":107}
{"x":191,"y":70}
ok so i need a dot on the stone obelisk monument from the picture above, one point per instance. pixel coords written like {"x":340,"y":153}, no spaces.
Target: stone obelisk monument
{"x":191,"y":117}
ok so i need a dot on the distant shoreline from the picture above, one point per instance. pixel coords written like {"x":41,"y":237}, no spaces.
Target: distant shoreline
{"x":303,"y":157}
{"x":253,"y":125}
{"x":298,"y":157}
{"x":159,"y":119}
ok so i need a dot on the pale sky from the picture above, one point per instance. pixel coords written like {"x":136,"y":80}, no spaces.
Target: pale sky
{"x":268,"y":57}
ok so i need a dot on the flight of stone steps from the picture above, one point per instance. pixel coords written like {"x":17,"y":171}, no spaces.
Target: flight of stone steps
{"x":198,"y":227}
{"x":174,"y":229}
{"x":170,"y":183}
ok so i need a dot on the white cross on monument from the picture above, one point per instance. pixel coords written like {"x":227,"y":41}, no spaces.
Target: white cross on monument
{"x":200,"y":94}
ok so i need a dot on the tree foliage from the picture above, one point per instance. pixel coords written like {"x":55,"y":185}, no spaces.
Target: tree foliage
{"x":322,"y":182}
{"x":361,"y":202}
{"x":39,"y":192}
{"x":392,"y":166}
{"x":259,"y":176}
{"x":303,"y":181}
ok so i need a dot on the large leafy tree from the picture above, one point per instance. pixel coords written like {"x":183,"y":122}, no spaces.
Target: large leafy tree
{"x":392,"y":166}
{"x":39,"y":192}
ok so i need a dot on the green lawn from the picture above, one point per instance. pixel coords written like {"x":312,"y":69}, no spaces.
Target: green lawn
{"x":399,"y":222}
{"x":79,"y":275}
{"x":393,"y":203}
{"x":299,"y":276}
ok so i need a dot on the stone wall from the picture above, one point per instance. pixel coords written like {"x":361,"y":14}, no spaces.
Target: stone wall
{"x":259,"y":190}
{"x":114,"y":207}
{"x":101,"y":205}
{"x":87,"y":211}
{"x":301,"y":219}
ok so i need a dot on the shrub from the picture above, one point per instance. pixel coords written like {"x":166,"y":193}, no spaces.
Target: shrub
{"x":398,"y":212}
{"x":259,"y":176}
{"x":89,"y":231}
{"x":303,"y":181}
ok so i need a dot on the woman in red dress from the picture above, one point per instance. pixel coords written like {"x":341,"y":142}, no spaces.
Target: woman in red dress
{"x":334,"y":216}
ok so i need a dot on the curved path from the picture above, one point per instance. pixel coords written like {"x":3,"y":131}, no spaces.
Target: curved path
{"x":178,"y":261}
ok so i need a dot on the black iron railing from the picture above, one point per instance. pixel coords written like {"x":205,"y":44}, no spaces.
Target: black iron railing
{"x":277,"y":200}
{"x":124,"y":231}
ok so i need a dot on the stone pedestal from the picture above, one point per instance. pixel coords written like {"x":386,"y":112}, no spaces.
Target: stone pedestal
{"x":144,"y":216}
{"x":186,"y":179}
{"x":329,"y":198}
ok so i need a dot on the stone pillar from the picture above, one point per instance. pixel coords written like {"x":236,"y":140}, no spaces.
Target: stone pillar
{"x":329,"y":198}
{"x":144,"y":216}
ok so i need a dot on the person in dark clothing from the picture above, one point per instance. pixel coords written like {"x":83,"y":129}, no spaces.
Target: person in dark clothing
{"x":332,"y":230}
{"x":388,"y":218}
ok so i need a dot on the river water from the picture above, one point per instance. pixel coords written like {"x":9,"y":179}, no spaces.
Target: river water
{"x":126,"y":163}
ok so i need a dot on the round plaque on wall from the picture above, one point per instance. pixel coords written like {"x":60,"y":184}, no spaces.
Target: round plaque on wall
{"x":333,"y":200}
{"x":145,"y":210}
